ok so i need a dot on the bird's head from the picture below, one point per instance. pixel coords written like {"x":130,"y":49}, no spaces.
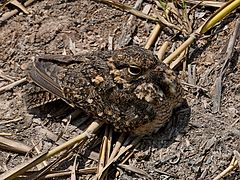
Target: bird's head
{"x":137,"y":70}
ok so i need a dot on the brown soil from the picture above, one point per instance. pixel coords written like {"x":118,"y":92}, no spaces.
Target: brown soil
{"x":196,"y":144}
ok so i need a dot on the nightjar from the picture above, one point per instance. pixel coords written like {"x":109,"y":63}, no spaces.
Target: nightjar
{"x":127,"y":88}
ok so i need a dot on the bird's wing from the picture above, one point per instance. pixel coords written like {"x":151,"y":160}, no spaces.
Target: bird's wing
{"x":43,"y":74}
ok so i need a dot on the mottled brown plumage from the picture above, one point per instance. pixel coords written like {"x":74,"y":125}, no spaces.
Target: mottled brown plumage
{"x":128,"y":88}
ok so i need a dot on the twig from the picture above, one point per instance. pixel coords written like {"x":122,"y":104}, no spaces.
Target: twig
{"x":103,"y":150}
{"x":135,"y":169}
{"x":218,"y":82}
{"x":13,"y":146}
{"x":161,"y":52}
{"x":232,"y":165}
{"x":114,"y":153}
{"x":20,"y":169}
{"x":61,"y":173}
{"x":206,"y":3}
{"x":129,"y":155}
{"x":13,"y":12}
{"x":137,"y":13}
{"x":5,"y":77}
{"x":5,"y":134}
{"x":153,"y":36}
{"x":117,"y":146}
{"x":19,"y":5}
{"x":11,"y":121}
{"x":176,"y":62}
{"x":12,"y":85}
{"x":74,"y":167}
{"x":194,"y":86}
{"x":129,"y":27}
{"x":181,"y":48}
{"x":237,"y":156}
{"x":66,"y":155}
{"x":44,"y":163}
{"x":121,"y":152}
{"x":107,"y":154}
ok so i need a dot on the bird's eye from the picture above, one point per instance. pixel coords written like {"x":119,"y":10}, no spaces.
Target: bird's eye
{"x":134,"y":70}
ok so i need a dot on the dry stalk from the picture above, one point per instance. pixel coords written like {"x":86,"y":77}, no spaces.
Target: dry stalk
{"x":19,"y":5}
{"x":103,"y":150}
{"x":6,"y":134}
{"x":7,"y":15}
{"x":12,"y":85}
{"x":20,"y":169}
{"x":113,"y":154}
{"x":13,"y":146}
{"x":177,"y":61}
{"x":181,"y":48}
{"x":122,"y":151}
{"x":61,"y":173}
{"x":161,"y":52}
{"x":232,"y":165}
{"x":206,"y":3}
{"x":153,"y":36}
{"x":137,"y":13}
{"x":135,"y":170}
{"x":44,"y":163}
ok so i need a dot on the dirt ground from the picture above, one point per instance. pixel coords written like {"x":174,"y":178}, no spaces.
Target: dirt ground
{"x":197,"y":144}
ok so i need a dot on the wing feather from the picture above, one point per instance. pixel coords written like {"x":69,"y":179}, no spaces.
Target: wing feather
{"x":39,"y":76}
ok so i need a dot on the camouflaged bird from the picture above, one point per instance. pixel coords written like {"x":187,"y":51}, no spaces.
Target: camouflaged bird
{"x":128,"y":88}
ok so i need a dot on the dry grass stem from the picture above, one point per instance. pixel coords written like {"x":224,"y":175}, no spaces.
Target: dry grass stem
{"x":229,"y":53}
{"x":108,"y":150}
{"x":128,"y":156}
{"x":103,"y":150}
{"x":222,"y":12}
{"x":6,"y":77}
{"x":13,"y":146}
{"x":4,"y":3}
{"x":44,"y":163}
{"x":13,"y":173}
{"x":180,"y":49}
{"x":232,"y":165}
{"x":206,"y":3}
{"x":74,"y":168}
{"x":138,"y":13}
{"x":11,"y":121}
{"x":179,"y":59}
{"x":12,"y":85}
{"x":237,"y":156}
{"x":122,"y":151}
{"x":117,"y":146}
{"x":105,"y":153}
{"x":56,"y":174}
{"x":162,"y":51}
{"x":19,"y":5}
{"x":153,"y":36}
{"x":135,"y":170}
{"x":109,"y":143}
{"x":7,"y":15}
{"x":63,"y":157}
{"x":5,"y":134}
{"x":194,"y":86}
